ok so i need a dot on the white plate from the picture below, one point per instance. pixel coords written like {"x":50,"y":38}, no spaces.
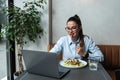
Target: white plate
{"x":82,"y":61}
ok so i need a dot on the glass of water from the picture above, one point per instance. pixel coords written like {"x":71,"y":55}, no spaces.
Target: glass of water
{"x":93,"y":63}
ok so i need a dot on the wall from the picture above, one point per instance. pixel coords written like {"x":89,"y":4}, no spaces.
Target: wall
{"x":40,"y":44}
{"x":100,"y":18}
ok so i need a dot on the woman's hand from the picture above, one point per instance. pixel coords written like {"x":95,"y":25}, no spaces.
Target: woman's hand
{"x":80,"y":51}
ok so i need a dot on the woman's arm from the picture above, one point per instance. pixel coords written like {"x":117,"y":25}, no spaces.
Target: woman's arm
{"x":94,"y":51}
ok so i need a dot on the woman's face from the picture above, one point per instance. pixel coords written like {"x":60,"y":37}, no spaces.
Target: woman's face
{"x":73,"y":29}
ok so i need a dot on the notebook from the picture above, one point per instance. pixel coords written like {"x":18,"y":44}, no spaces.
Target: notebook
{"x":43,"y":63}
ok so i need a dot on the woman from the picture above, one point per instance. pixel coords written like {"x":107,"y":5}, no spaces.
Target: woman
{"x":75,"y":44}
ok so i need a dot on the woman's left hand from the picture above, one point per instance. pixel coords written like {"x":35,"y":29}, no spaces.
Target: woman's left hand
{"x":80,"y":51}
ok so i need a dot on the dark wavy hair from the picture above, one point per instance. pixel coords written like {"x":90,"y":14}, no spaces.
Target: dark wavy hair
{"x":76,"y":19}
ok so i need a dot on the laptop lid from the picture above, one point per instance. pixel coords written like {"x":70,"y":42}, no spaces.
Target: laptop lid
{"x":42,"y":63}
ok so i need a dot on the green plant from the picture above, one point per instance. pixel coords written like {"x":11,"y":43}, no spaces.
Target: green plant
{"x":24,"y":23}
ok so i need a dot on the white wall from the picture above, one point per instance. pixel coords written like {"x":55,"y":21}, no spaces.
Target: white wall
{"x":100,"y":18}
{"x":40,"y":44}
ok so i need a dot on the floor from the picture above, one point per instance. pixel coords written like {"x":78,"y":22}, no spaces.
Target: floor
{"x":3,"y":67}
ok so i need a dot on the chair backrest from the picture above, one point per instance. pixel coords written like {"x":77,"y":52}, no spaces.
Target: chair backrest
{"x":111,"y":56}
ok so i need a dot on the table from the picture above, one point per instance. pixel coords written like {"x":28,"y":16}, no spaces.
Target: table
{"x":74,"y":74}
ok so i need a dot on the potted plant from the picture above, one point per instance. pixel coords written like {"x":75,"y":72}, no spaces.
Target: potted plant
{"x":24,"y":23}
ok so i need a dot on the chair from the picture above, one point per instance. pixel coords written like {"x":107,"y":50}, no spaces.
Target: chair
{"x":117,"y":74}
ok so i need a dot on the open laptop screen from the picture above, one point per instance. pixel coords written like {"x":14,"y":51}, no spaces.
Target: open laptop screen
{"x":41,"y":63}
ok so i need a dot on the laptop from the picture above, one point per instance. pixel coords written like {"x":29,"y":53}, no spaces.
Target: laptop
{"x":43,"y":64}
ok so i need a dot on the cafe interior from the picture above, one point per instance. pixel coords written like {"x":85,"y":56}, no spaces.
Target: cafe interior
{"x":100,"y":20}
